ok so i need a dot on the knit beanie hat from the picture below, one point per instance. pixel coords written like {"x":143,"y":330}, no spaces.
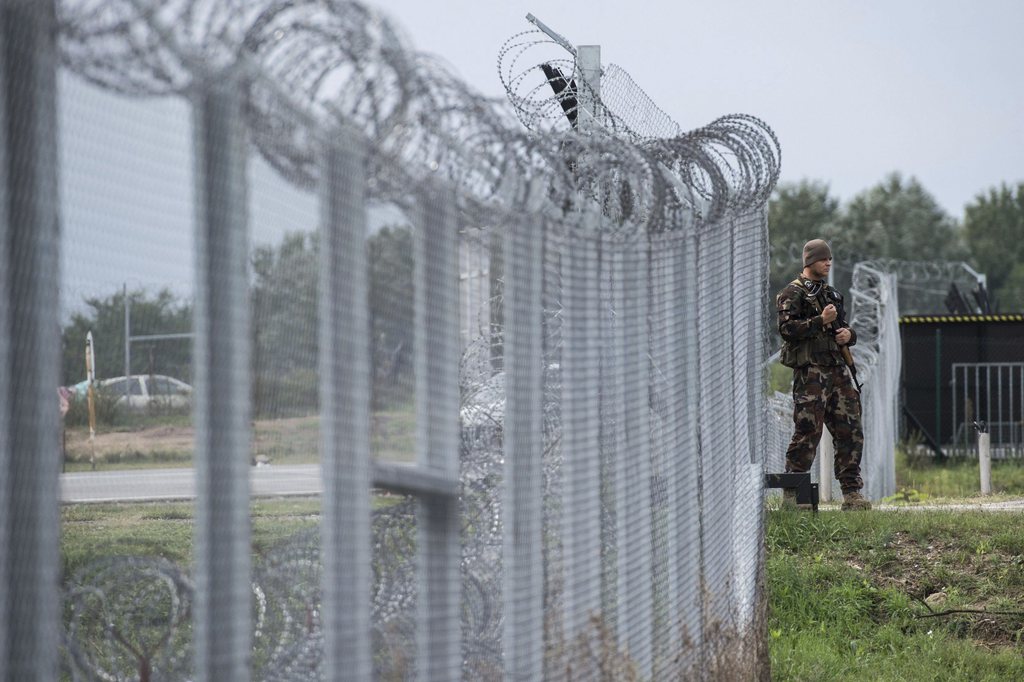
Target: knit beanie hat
{"x":816,"y":250}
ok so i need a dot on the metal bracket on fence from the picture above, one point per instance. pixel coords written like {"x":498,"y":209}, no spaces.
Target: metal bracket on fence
{"x":806,"y":492}
{"x":410,"y":479}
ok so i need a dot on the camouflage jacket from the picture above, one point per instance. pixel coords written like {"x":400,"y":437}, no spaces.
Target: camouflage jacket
{"x":805,"y":339}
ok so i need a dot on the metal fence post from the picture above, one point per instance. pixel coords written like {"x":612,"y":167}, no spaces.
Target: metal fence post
{"x":750,"y":274}
{"x":523,"y":441}
{"x":6,"y":341}
{"x":344,"y":406}
{"x":826,"y":457}
{"x":985,"y":461}
{"x":665,"y":528}
{"x":613,"y":406}
{"x":587,"y":113}
{"x":718,"y":417}
{"x":635,"y":543}
{"x":222,"y":398}
{"x":436,"y":284}
{"x":691,"y":474}
{"x":581,"y":357}
{"x":30,"y":446}
{"x":826,"y":451}
{"x":684,"y":466}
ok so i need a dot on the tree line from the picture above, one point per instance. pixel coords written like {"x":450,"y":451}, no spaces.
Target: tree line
{"x":898,"y":218}
{"x":285,"y":326}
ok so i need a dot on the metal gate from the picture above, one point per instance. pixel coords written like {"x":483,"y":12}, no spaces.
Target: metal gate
{"x":990,"y":392}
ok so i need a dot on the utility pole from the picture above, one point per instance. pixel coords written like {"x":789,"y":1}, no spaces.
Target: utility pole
{"x":127,"y":343}
{"x":826,"y":451}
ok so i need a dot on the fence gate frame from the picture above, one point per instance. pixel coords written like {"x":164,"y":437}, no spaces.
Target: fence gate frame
{"x":966,"y":389}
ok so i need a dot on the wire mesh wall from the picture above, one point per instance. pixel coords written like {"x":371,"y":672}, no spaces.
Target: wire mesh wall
{"x":572,"y":491}
{"x":875,"y":315}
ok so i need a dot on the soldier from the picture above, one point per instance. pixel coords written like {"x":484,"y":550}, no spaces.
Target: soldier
{"x":814,"y":333}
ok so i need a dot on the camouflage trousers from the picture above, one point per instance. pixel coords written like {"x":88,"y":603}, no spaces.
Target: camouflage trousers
{"x":825,"y":395}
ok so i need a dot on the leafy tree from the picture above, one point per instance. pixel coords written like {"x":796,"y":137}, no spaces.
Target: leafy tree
{"x":286,"y":321}
{"x":797,"y":212}
{"x":390,"y":274}
{"x":1010,"y":295}
{"x":160,"y":313}
{"x":898,"y":218}
{"x":994,"y":228}
{"x":285,"y":326}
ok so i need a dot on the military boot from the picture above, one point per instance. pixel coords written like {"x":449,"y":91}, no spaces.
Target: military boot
{"x":789,"y":501}
{"x":854,"y":501}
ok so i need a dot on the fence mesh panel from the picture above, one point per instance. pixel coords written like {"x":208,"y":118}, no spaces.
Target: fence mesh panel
{"x":421,"y":394}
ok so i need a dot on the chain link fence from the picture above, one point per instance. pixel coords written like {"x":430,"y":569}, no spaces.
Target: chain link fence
{"x":526,"y":366}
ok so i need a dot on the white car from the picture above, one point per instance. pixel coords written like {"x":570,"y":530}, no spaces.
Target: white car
{"x":138,"y":392}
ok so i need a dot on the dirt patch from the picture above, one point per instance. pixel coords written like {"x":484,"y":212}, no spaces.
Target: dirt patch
{"x":924,"y":570}
{"x":277,"y":438}
{"x":911,"y":566}
{"x":142,"y":443}
{"x":295,"y":440}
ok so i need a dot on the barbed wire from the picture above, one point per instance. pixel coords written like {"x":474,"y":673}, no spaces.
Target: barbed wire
{"x":127,"y":615}
{"x":908,"y":270}
{"x":732,"y":163}
{"x":619,"y":93}
{"x":316,"y":67}
{"x":536,"y":106}
{"x":117,"y":43}
{"x":315,"y":71}
{"x":923,"y":285}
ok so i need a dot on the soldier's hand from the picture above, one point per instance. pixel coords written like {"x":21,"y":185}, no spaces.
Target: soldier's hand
{"x":843,"y":336}
{"x":828,"y":315}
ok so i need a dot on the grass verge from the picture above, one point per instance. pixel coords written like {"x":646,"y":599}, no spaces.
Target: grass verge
{"x":895,"y":596}
{"x":164,"y":529}
{"x":922,"y":477}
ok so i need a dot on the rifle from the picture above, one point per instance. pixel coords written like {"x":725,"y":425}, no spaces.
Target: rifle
{"x":848,"y":359}
{"x":844,"y":350}
{"x":840,"y":322}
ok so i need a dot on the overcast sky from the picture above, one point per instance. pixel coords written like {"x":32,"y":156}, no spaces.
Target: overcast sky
{"x":853,"y":89}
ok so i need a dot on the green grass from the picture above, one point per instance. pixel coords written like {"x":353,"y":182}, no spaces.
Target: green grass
{"x":165,"y":529}
{"x":393,"y":434}
{"x":780,"y":378}
{"x":846,"y":596}
{"x":846,"y":591}
{"x":956,"y":478}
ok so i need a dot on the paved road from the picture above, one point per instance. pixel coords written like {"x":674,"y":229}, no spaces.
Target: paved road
{"x":302,"y":479}
{"x":1004,"y":505}
{"x":972,"y":504}
{"x":179,"y":484}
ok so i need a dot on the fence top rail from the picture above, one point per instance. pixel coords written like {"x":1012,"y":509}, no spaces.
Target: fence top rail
{"x":979,"y":365}
{"x":934,"y":319}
